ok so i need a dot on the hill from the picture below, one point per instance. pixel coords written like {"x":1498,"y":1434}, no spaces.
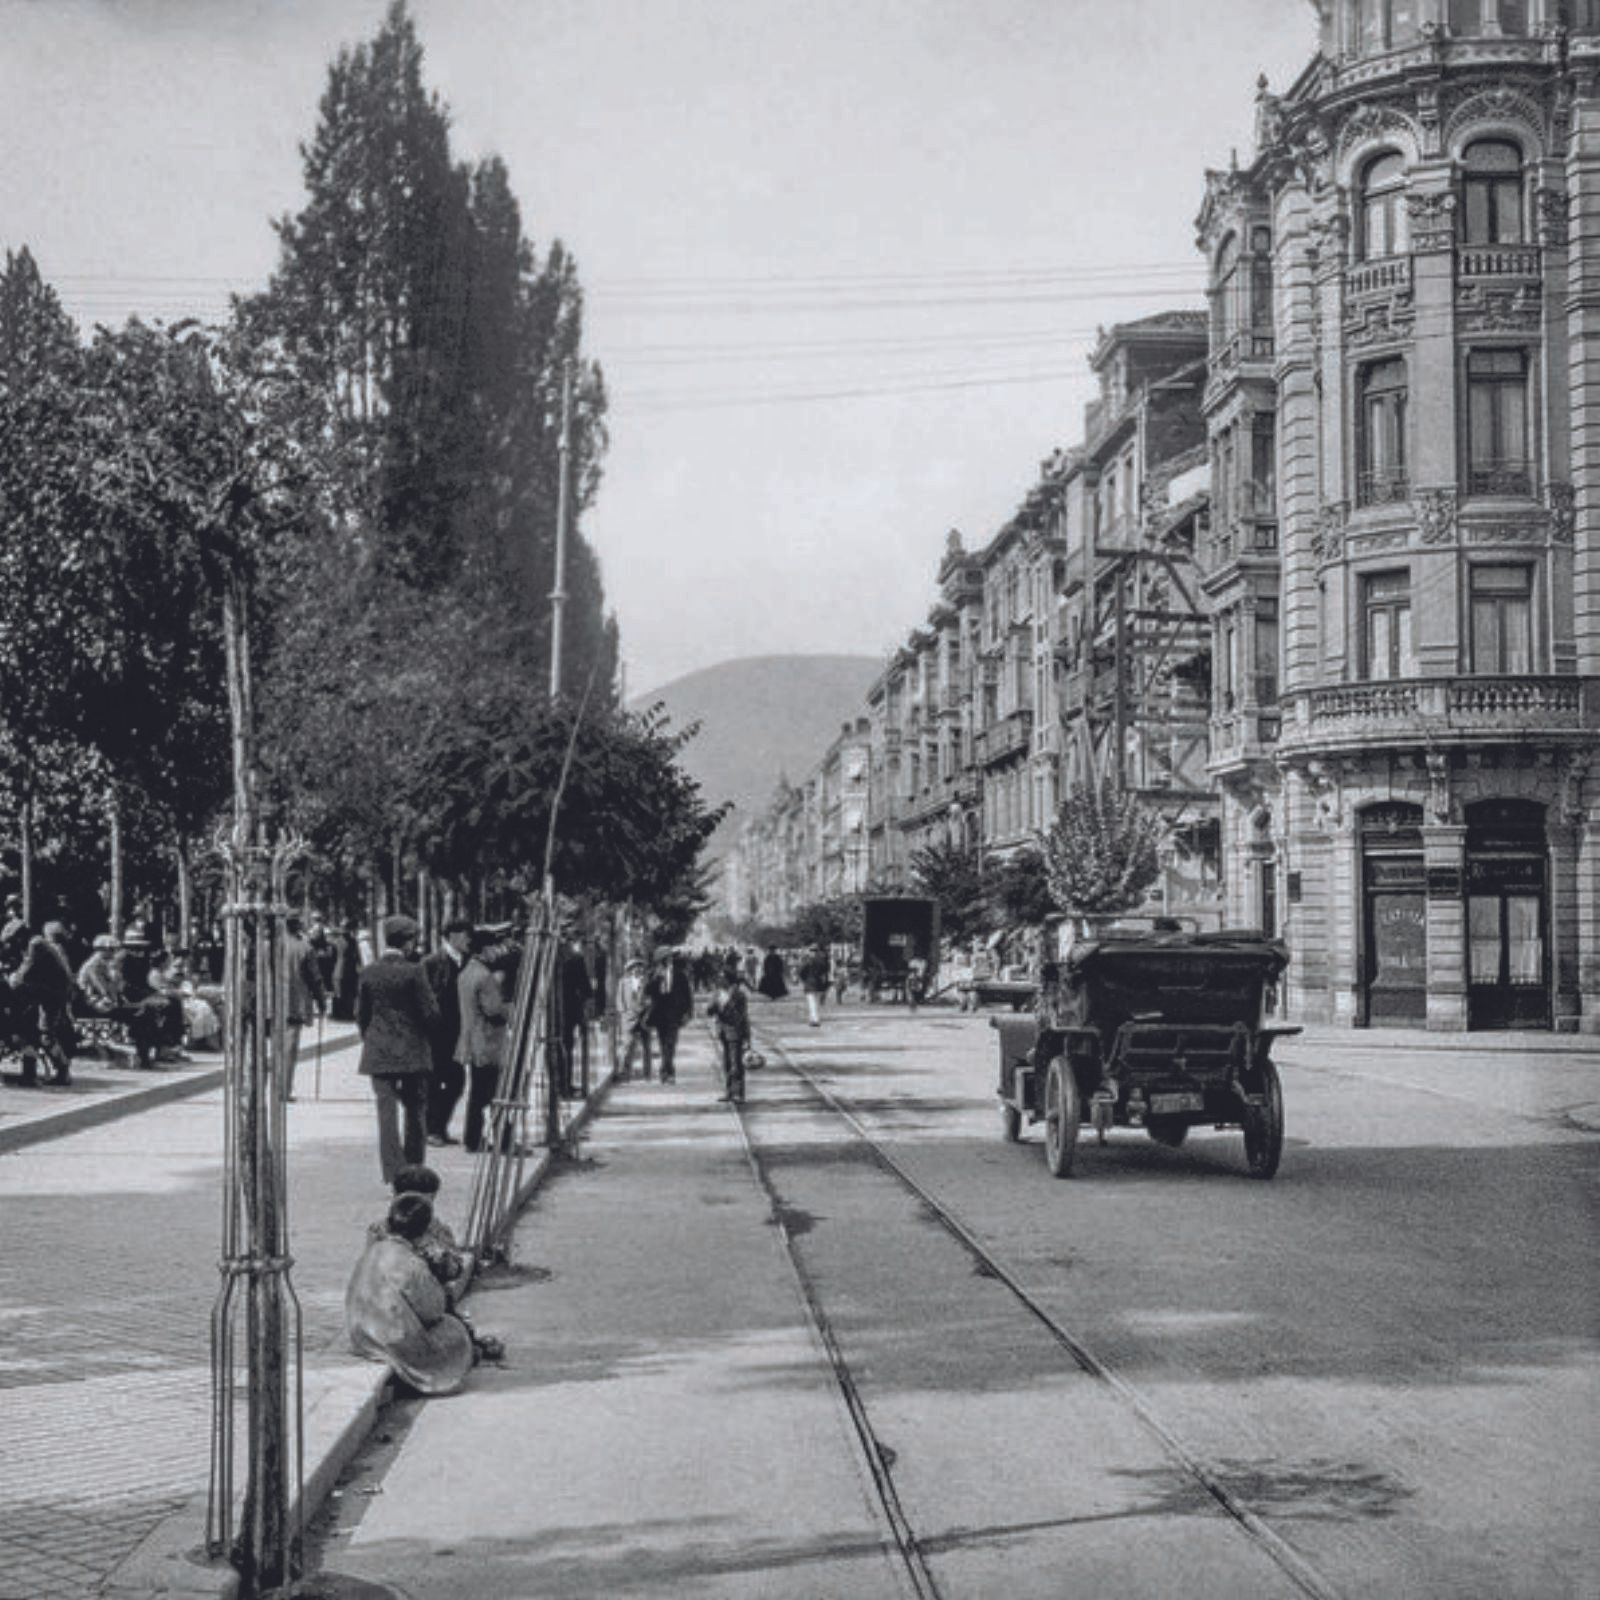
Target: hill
{"x":761,"y":717}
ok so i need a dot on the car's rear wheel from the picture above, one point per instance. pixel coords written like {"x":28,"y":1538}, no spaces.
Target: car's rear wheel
{"x":1168,"y":1131}
{"x":1263,"y":1126}
{"x":1061,"y":1117}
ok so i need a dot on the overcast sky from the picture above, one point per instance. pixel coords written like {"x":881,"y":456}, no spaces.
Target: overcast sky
{"x":844,"y":258}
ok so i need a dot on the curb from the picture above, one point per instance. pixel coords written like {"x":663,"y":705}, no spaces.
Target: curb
{"x":112,"y":1107}
{"x":170,"y":1563}
{"x":91,"y":1113}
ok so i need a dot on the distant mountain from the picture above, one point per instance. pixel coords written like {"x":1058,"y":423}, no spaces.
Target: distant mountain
{"x":761,"y":718}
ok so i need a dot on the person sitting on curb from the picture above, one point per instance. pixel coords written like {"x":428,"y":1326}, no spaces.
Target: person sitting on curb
{"x":446,"y":1260}
{"x":396,"y":1311}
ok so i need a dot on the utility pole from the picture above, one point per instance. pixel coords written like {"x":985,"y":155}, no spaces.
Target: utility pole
{"x":558,"y":595}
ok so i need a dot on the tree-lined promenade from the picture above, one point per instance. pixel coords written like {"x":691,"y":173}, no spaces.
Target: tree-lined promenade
{"x":366,"y":457}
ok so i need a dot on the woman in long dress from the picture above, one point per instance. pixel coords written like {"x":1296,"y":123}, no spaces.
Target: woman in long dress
{"x":772,"y":983}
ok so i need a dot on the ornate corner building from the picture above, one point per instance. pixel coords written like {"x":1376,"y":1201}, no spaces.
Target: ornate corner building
{"x":1402,"y":563}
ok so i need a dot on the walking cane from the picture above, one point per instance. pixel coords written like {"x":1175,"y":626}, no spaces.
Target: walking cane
{"x":316,"y":1086}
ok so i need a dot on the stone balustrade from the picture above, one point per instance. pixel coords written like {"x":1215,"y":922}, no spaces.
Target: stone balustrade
{"x":1498,"y":261}
{"x":1420,"y":708}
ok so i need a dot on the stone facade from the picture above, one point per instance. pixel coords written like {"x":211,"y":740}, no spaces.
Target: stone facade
{"x":1401,"y":286}
{"x":1323,"y":578}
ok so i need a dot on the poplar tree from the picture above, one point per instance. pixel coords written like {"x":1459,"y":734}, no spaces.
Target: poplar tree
{"x":46,"y":562}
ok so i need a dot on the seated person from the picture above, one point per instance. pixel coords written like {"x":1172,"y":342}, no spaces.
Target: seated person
{"x":396,"y":1310}
{"x":446,"y":1260}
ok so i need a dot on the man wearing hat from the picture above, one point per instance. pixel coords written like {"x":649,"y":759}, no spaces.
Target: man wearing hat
{"x":634,"y":1000}
{"x":397,"y":1013}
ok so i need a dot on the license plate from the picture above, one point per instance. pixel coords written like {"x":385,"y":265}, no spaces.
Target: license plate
{"x":1164,"y":1105}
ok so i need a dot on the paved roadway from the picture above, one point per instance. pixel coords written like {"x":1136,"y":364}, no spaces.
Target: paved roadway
{"x":1388,"y":1354}
{"x":1378,"y":1375}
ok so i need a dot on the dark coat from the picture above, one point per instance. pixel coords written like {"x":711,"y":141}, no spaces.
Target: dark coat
{"x":772,"y":984}
{"x":396,"y":1013}
{"x":730,"y":1011}
{"x":672,"y":1001}
{"x":444,"y":976}
{"x":45,"y":974}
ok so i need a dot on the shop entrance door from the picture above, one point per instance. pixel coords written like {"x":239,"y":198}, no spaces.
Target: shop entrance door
{"x":1394,"y":933}
{"x":1509,"y":982}
{"x":1508,"y":916}
{"x":1397,"y":952}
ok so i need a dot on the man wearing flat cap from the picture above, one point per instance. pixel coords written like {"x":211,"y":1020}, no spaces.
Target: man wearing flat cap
{"x":397,"y":1014}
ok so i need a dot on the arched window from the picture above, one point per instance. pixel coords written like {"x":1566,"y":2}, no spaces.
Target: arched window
{"x":1492,"y":204}
{"x":1383,"y":212}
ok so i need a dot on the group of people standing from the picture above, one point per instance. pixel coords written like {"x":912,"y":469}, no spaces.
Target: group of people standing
{"x":431,"y":1030}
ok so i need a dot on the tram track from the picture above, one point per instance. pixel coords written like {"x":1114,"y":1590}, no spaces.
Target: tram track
{"x":878,"y":1458}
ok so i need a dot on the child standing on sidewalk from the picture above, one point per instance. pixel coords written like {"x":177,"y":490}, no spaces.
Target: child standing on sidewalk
{"x":731,"y":1012}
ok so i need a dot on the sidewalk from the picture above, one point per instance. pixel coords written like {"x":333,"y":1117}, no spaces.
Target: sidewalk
{"x":107,"y":1280}
{"x":669,"y":1364}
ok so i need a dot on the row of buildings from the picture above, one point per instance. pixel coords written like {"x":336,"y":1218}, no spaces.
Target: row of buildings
{"x":1322,"y":577}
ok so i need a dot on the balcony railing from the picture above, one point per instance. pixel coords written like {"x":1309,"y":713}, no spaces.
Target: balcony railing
{"x":1498,"y":260}
{"x":1512,"y":478}
{"x":1383,"y":486}
{"x":1244,"y":344}
{"x":1414,"y":708}
{"x":1005,"y":738}
{"x":1389,"y":275}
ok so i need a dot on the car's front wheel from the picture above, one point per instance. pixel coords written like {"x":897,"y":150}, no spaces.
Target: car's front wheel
{"x":1061,"y":1118}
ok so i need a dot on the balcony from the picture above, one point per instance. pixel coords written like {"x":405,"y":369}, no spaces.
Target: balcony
{"x":1237,"y":737}
{"x":1383,"y":486}
{"x":1005,"y":739}
{"x":1519,"y":261}
{"x":1374,"y":279}
{"x":1508,"y":479}
{"x":1237,"y":348}
{"x":1413,"y":710}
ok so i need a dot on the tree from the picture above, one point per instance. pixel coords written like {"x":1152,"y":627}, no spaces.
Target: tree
{"x":952,"y":874}
{"x":46,"y":586}
{"x":1102,"y":853}
{"x":630,"y":825}
{"x":1019,"y":890}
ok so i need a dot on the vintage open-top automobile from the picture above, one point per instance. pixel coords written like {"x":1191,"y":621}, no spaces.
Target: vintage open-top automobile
{"x":1163,"y":1031}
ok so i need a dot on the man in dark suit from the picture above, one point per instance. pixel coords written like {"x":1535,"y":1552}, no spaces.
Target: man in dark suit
{"x":396,"y":1013}
{"x":449,"y":1077}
